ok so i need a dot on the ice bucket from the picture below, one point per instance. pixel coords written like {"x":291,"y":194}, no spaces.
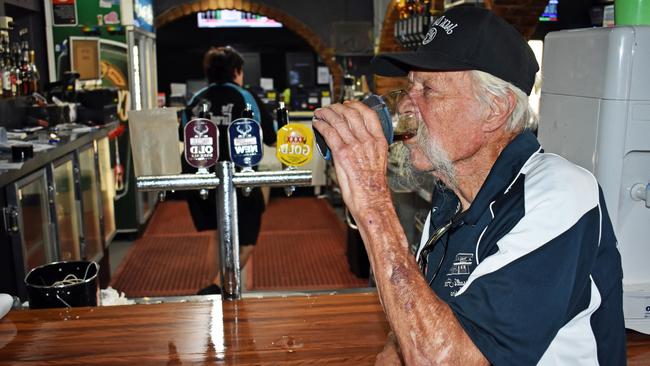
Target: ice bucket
{"x":63,"y":284}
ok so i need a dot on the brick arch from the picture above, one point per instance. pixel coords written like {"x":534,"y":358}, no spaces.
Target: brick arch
{"x":325,"y":53}
{"x":523,"y":15}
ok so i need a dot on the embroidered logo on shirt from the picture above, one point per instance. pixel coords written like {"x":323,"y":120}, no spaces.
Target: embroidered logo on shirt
{"x":458,"y":272}
{"x":462,"y":264}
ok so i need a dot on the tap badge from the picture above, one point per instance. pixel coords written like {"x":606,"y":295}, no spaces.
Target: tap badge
{"x":245,"y":141}
{"x":201,"y":143}
{"x":295,"y":144}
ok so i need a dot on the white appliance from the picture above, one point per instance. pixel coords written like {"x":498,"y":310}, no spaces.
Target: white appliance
{"x":595,"y":111}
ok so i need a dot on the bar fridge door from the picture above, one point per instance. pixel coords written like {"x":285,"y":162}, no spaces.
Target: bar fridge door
{"x":66,"y":209}
{"x":91,"y":204}
{"x":107,"y":188}
{"x":33,"y":241}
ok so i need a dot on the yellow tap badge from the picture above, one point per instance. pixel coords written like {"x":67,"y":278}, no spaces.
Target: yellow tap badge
{"x":295,"y":144}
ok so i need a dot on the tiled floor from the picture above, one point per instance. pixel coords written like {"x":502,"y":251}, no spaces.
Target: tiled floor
{"x":279,"y":219}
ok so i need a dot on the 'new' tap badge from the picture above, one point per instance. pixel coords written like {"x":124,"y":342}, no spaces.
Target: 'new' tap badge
{"x":295,"y":144}
{"x":245,"y":140}
{"x":201,"y":143}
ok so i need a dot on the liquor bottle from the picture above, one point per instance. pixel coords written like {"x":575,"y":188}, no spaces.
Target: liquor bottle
{"x":410,"y":23}
{"x":25,"y":71}
{"x":16,"y":83}
{"x":2,"y":67}
{"x":400,"y":24}
{"x":34,"y":75}
{"x":6,"y":77}
{"x":4,"y":71}
{"x":6,"y":68}
{"x":426,"y":15}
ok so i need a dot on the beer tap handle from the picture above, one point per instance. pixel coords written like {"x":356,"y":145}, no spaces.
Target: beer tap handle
{"x":201,"y":138}
{"x":295,"y":145}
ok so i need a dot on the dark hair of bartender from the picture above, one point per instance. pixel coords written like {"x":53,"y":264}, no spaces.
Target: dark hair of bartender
{"x":220,"y":64}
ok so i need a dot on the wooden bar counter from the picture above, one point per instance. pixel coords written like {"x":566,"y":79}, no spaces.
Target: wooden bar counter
{"x":345,"y":329}
{"x":325,"y":329}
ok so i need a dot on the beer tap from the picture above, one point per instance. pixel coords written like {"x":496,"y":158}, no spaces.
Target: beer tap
{"x":282,"y":117}
{"x":245,"y":142}
{"x":201,"y":152}
{"x":202,"y":142}
{"x":294,"y":146}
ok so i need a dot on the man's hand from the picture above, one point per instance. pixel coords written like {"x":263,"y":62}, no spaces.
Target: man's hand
{"x":390,"y":355}
{"x":360,"y":153}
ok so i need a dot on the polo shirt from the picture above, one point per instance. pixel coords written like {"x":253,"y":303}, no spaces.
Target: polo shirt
{"x":531,"y":269}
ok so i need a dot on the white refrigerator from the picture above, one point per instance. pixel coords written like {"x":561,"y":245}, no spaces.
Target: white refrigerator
{"x":595,"y":111}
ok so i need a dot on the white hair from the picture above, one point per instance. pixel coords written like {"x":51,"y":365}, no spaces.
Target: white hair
{"x":441,"y":169}
{"x":522,"y":117}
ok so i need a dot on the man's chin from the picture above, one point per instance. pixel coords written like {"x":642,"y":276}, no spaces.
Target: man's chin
{"x":418,"y":161}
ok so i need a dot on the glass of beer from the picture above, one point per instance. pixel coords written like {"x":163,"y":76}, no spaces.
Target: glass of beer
{"x":398,"y":115}
{"x":404,"y":114}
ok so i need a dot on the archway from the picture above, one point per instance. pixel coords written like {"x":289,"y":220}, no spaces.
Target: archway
{"x":325,"y":53}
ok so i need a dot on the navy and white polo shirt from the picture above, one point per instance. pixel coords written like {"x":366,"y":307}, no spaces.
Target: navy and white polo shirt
{"x":532,"y":271}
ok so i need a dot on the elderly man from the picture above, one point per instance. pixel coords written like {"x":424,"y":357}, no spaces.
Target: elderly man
{"x":518,"y":262}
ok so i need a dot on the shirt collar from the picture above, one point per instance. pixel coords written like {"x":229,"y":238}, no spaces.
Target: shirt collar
{"x":503,"y":172}
{"x":445,"y":204}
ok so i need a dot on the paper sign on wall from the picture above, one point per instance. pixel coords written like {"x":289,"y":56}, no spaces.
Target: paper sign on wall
{"x":64,"y":12}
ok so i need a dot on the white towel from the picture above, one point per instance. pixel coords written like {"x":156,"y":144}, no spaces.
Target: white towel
{"x":5,"y":304}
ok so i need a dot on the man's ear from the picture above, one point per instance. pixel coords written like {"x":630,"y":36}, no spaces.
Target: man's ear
{"x":500,"y":110}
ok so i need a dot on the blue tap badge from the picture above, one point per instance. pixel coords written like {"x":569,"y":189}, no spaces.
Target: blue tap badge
{"x":245,"y":141}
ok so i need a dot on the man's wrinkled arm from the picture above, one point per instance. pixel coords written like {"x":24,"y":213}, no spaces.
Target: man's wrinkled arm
{"x":425,"y":327}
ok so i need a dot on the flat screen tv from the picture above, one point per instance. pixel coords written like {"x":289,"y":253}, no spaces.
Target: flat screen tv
{"x":234,"y":19}
{"x":550,"y":12}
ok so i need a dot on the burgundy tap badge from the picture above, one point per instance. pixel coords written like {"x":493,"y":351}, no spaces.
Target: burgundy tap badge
{"x":201,"y":143}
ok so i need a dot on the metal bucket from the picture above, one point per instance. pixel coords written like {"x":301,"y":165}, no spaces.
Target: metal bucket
{"x":63,"y":284}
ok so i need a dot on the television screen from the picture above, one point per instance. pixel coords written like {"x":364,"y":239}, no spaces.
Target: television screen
{"x":234,"y":19}
{"x":300,"y":69}
{"x":550,"y":12}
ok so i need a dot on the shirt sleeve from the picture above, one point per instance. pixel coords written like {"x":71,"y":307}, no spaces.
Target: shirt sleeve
{"x":536,"y":279}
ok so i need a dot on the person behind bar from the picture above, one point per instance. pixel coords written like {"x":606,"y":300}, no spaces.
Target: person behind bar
{"x":223,"y":67}
{"x":518,"y":262}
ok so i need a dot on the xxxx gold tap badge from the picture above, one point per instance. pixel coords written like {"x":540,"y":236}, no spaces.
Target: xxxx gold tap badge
{"x":295,"y":144}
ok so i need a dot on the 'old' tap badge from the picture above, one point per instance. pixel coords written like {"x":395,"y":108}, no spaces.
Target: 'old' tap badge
{"x":295,"y":144}
{"x":201,"y":143}
{"x":245,"y":140}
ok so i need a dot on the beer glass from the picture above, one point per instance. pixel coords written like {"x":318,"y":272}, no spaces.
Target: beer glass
{"x":398,"y":115}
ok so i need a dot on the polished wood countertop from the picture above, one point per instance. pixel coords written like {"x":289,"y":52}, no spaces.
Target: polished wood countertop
{"x":333,"y":329}
{"x":344,"y":329}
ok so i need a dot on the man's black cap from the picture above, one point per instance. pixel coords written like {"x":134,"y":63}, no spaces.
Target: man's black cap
{"x":467,"y":38}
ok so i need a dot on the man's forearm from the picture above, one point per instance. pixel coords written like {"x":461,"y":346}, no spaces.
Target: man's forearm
{"x":426,"y":329}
